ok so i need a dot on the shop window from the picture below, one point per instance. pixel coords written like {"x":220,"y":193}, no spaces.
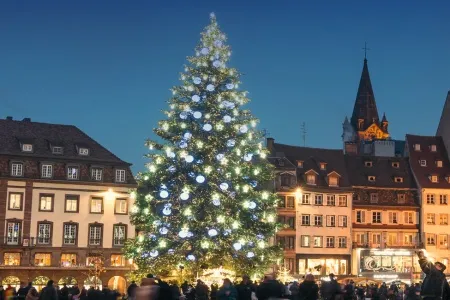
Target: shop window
{"x":302,"y":266}
{"x":117,"y":260}
{"x":68,"y":260}
{"x":11,"y":259}
{"x":42,"y":259}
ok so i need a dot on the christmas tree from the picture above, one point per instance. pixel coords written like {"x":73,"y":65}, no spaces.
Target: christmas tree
{"x":201,"y":203}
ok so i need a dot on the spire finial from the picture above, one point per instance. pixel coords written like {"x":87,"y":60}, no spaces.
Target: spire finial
{"x":365,"y":50}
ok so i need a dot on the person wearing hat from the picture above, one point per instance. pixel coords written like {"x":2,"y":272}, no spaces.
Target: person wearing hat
{"x":435,"y":285}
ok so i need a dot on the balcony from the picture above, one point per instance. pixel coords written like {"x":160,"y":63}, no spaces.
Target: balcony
{"x":387,"y":245}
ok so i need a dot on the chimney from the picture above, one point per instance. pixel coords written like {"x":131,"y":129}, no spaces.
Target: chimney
{"x":9,"y":118}
{"x":26,"y":120}
{"x":269,"y":144}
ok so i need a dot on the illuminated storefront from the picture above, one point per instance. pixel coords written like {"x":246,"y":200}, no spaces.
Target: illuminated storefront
{"x":323,"y":264}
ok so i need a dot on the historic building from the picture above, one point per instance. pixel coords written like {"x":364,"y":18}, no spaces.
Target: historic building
{"x":63,"y":206}
{"x":385,"y":217}
{"x":431,"y":168}
{"x":316,"y":208}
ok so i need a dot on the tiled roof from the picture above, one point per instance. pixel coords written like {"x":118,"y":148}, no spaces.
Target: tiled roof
{"x":312,"y":158}
{"x":382,"y":169}
{"x":422,"y":173}
{"x":43,"y":136}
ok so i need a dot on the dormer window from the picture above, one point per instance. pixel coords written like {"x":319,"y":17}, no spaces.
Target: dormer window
{"x":439,"y":163}
{"x":368,"y":164}
{"x":323,"y":166}
{"x":434,"y":178}
{"x":423,"y":163}
{"x":401,"y":199}
{"x":332,"y":181}
{"x":299,"y":163}
{"x":433,"y":148}
{"x":27,"y":147}
{"x":311,"y":179}
{"x":83,"y":151}
{"x":398,"y":179}
{"x":96,"y":174}
{"x":416,"y":147}
{"x":396,"y":164}
{"x":281,"y":162}
{"x":371,"y":178}
{"x":57,"y":150}
{"x":286,"y":180}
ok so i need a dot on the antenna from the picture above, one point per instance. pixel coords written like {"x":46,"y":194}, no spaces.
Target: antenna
{"x":303,"y":130}
{"x":265,"y":133}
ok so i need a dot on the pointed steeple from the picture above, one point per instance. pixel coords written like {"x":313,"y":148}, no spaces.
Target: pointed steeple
{"x":384,"y":118}
{"x":365,"y":111}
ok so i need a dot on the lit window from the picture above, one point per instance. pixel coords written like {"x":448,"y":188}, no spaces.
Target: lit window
{"x":443,"y":241}
{"x":17,"y":169}
{"x":72,"y":203}
{"x":330,"y":242}
{"x":323,"y":166}
{"x":360,"y":216}
{"x":122,"y":206}
{"x":431,"y":219}
{"x":342,"y":242}
{"x":311,"y":179}
{"x":430,"y":199}
{"x":443,"y":219}
{"x":398,"y":179}
{"x":342,"y":200}
{"x":120,"y":175}
{"x":434,"y":178}
{"x":305,"y":220}
{"x":118,"y":260}
{"x":83,"y":151}
{"x":72,"y":173}
{"x":96,"y":205}
{"x":57,"y":150}
{"x":318,"y":199}
{"x":331,"y":221}
{"x":401,"y":199}
{"x":373,"y":198}
{"x":13,"y":233}
{"x":96,"y":174}
{"x":305,"y":240}
{"x":95,"y":235}
{"x":423,"y":163}
{"x":305,"y":199}
{"x":393,"y":217}
{"x":94,"y":260}
{"x":371,"y":178}
{"x":409,"y":217}
{"x":68,"y":260}
{"x":318,"y":241}
{"x":376,"y":217}
{"x":42,"y":259}
{"x":433,"y":148}
{"x":417,"y":147}
{"x":331,"y":200}
{"x":333,"y":181}
{"x":11,"y":259}
{"x":368,"y":164}
{"x":120,"y":233}
{"x":46,"y":171}
{"x":290,"y":202}
{"x":46,"y":202}
{"x":431,"y":239}
{"x":27,"y":148}
{"x":299,"y":164}
{"x":408,"y":239}
{"x":443,"y":199}
{"x":44,"y":233}
{"x":342,"y":221}
{"x":15,"y":201}
{"x":70,"y":234}
{"x":318,"y":220}
{"x":395,"y":165}
{"x":439,"y":163}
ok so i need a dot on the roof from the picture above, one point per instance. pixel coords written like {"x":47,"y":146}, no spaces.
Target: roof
{"x":44,"y":135}
{"x":312,"y":158}
{"x":365,"y":106}
{"x":383,"y":170}
{"x":445,"y":118}
{"x":422,"y":173}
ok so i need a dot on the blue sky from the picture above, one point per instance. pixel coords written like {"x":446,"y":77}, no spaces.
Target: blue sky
{"x":107,"y":66}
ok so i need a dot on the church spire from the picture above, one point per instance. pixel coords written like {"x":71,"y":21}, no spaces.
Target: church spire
{"x":365,"y":111}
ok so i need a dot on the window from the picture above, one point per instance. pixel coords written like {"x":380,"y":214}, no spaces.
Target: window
{"x":355,"y":197}
{"x":70,"y":234}
{"x":11,"y":259}
{"x":331,"y":201}
{"x":46,"y":202}
{"x":27,"y":147}
{"x":46,"y":171}
{"x":281,"y":202}
{"x":393,"y":217}
{"x":289,"y":263}
{"x":408,"y":217}
{"x":408,"y":239}
{"x":290,"y":221}
{"x":431,"y":219}
{"x":360,"y":216}
{"x":83,"y":151}
{"x":395,"y":165}
{"x":15,"y":201}
{"x":342,"y":221}
{"x":299,"y":164}
{"x":96,"y":174}
{"x":318,"y":220}
{"x":433,"y":148}
{"x":120,"y":175}
{"x":374,"y":198}
{"x":392,"y":239}
{"x":13,"y":230}
{"x":430,"y":199}
{"x":72,"y":202}
{"x":305,"y":198}
{"x":290,"y":202}
{"x":94,"y":260}
{"x":323,"y":166}
{"x":401,"y":199}
{"x":361,"y":238}
{"x":331,"y":221}
{"x":290,"y":242}
{"x":376,"y":217}
{"x":285,"y":180}
{"x":443,"y":219}
{"x":431,"y":239}
{"x":423,"y":163}
{"x":305,"y":220}
{"x":330,"y":242}
{"x":371,"y":178}
{"x":17,"y":169}
{"x":368,"y":164}
{"x":57,"y":150}
{"x":318,"y":199}
{"x":376,"y":239}
{"x":342,"y":242}
{"x":72,"y":173}
{"x":311,"y":179}
{"x":96,"y":205}
{"x":434,"y":178}
{"x":342,"y":200}
{"x":120,"y":233}
{"x":443,"y":241}
{"x":43,"y":259}
{"x":117,"y":260}
{"x":318,"y":241}
{"x":398,"y":179}
{"x":121,"y":206}
{"x":332,"y":180}
{"x":304,"y":241}
{"x":44,"y":233}
{"x":439,"y":163}
{"x":416,"y":147}
{"x":95,"y":235}
{"x":443,"y":199}
{"x":68,"y":260}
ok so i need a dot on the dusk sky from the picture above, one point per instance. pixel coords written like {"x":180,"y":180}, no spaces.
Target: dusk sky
{"x":107,"y":66}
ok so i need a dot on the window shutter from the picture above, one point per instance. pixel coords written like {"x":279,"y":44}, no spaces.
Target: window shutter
{"x":293,"y":180}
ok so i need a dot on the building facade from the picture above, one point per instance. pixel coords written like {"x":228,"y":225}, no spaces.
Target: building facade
{"x":64,"y":202}
{"x":316,"y":208}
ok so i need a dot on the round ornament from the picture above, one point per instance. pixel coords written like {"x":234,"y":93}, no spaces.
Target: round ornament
{"x":252,"y":205}
{"x":195,"y":98}
{"x":163,"y":230}
{"x":253,"y":183}
{"x":250,"y":254}
{"x":224,"y":186}
{"x":197,"y":115}
{"x":200,"y":178}
{"x":154,"y":253}
{"x":197,"y":80}
{"x":237,"y":246}
{"x":217,"y":64}
{"x":184,"y":196}
{"x":167,"y":211}
{"x":231,"y":143}
{"x":248,"y":157}
{"x":207,"y":127}
{"x":210,"y":87}
{"x":182,"y":145}
{"x":191,"y":257}
{"x":170,"y":154}
{"x":212,"y":232}
{"x":183,"y":115}
{"x":204,"y":51}
{"x":187,"y":135}
{"x":218,"y":43}
{"x":190,"y":88}
{"x":220,"y":156}
{"x":216,"y":202}
{"x":230,"y":86}
{"x":183,"y":234}
{"x":164,"y":194}
{"x":172,"y":169}
{"x":227,"y":119}
{"x":189,"y":158}
{"x":243,"y":129}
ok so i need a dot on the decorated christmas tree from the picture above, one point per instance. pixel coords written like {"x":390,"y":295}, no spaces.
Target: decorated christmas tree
{"x":202,"y":203}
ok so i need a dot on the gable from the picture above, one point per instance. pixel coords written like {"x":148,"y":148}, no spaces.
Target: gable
{"x":373,"y":132}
